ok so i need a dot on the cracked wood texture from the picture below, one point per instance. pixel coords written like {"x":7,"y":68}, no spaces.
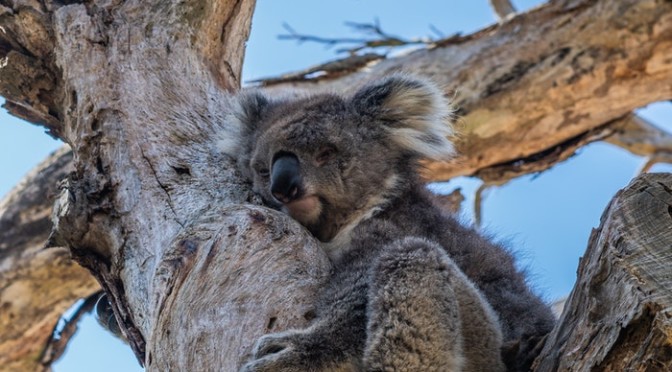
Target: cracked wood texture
{"x":140,"y":91}
{"x":152,"y":208}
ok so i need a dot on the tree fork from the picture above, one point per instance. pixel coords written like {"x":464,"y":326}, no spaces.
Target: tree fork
{"x":159,"y":231}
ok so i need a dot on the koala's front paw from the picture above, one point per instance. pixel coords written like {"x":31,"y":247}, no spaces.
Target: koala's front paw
{"x":282,"y":352}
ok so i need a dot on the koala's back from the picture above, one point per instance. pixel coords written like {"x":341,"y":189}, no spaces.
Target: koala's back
{"x":489,"y":266}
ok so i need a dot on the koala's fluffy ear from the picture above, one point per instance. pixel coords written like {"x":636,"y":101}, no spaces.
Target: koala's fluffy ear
{"x":250,"y":108}
{"x":415,"y":113}
{"x":245,"y":113}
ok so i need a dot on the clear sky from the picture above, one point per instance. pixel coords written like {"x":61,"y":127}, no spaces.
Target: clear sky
{"x":546,"y":218}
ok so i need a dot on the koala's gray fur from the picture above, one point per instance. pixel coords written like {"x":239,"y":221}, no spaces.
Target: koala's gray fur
{"x":412,"y":289}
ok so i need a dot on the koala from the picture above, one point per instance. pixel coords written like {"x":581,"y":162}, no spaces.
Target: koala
{"x":412,"y":289}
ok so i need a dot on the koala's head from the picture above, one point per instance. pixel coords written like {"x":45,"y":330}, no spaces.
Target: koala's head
{"x":330,"y":161}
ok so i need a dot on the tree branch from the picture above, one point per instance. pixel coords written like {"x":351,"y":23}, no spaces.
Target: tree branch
{"x":147,"y":212}
{"x":631,"y":132}
{"x":331,"y":69}
{"x":536,"y":82}
{"x":36,"y":284}
{"x":29,"y":80}
{"x":62,"y":334}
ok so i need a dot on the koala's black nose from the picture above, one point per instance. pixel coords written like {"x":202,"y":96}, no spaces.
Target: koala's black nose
{"x":285,"y":178}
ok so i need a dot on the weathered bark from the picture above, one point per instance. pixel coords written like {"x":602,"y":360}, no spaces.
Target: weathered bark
{"x":156,"y":226}
{"x":139,"y":90}
{"x":151,"y":208}
{"x":618,"y":315}
{"x":36,"y":284}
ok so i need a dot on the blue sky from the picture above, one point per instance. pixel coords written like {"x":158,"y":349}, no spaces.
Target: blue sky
{"x":546,"y":218}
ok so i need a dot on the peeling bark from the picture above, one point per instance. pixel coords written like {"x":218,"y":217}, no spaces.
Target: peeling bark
{"x":29,"y":79}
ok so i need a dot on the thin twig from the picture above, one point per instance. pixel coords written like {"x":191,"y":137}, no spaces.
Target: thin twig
{"x":61,"y":336}
{"x":503,"y":9}
{"x":440,"y":34}
{"x":293,"y":35}
{"x":378,"y":38}
{"x":478,"y":204}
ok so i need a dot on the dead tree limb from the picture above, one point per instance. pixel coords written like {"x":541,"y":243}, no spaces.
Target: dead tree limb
{"x":530,"y":87}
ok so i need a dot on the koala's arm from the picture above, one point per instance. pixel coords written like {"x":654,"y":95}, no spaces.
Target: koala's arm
{"x":334,"y":342}
{"x":317,"y":348}
{"x":425,"y":315}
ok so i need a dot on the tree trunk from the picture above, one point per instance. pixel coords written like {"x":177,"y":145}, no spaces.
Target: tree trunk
{"x":141,"y":92}
{"x":152,"y":209}
{"x":618,"y":315}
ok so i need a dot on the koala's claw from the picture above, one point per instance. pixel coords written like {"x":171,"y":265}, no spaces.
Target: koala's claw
{"x":269,"y":363}
{"x":271,"y":344}
{"x":277,"y":352}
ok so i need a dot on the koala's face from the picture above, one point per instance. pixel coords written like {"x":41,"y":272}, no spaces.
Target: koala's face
{"x":329,"y":161}
{"x":322,"y":162}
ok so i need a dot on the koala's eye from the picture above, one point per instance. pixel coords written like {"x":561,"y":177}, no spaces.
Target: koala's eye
{"x":324,"y":155}
{"x":264,"y":172}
